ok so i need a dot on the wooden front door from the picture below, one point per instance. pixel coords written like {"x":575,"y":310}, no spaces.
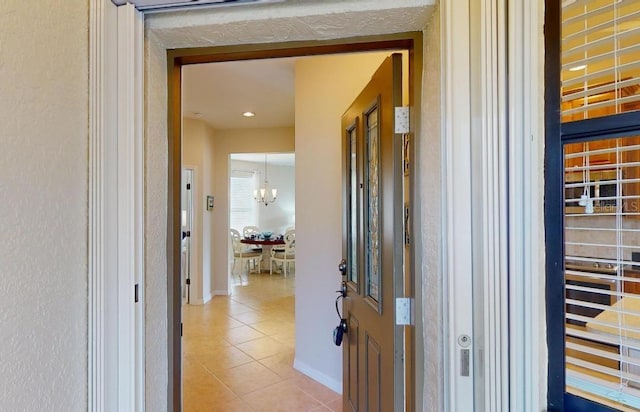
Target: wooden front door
{"x":372,"y":245}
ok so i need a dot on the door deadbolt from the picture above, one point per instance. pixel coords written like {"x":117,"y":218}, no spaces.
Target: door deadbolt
{"x":464,"y":341}
{"x":342,"y":266}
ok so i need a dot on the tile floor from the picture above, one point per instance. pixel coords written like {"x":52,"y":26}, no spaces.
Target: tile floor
{"x":238,"y":352}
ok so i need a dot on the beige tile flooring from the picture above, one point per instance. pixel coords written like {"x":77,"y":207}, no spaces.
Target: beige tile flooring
{"x":238,"y":352}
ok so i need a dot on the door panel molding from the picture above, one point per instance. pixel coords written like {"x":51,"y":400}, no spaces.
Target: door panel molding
{"x":352,"y":391}
{"x":373,"y":381}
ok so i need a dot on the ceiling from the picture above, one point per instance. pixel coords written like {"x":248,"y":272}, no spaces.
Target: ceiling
{"x":218,"y":93}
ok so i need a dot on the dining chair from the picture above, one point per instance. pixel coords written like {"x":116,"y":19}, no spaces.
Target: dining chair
{"x":242,"y":254}
{"x":285,"y":256}
{"x":247,"y":232}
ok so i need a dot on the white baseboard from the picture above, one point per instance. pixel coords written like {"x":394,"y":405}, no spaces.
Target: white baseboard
{"x":316,"y":375}
{"x":221,"y":292}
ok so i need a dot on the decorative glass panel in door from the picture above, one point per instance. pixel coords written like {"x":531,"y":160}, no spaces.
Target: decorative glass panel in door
{"x":372,"y":229}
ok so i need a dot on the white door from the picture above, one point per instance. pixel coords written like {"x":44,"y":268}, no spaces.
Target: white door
{"x":186,"y":224}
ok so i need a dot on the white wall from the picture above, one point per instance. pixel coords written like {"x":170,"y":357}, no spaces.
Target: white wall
{"x":198,"y":152}
{"x":237,"y":141}
{"x":43,"y":206}
{"x":325,"y":87}
{"x":280,"y":215}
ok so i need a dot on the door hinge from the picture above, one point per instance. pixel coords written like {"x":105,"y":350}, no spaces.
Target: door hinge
{"x":135,"y":293}
{"x":188,"y":186}
{"x":402,"y":120}
{"x":188,"y":281}
{"x":404,"y":311}
{"x":180,"y":329}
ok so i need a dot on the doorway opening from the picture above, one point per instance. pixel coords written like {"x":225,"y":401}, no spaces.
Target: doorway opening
{"x":261,"y":212}
{"x":387,"y":44}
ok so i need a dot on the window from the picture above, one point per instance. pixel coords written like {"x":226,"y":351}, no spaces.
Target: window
{"x":602,"y":270}
{"x":592,"y":199}
{"x":600,"y":58}
{"x":242,"y":207}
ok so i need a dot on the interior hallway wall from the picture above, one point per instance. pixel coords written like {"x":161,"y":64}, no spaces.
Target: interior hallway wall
{"x":43,"y":209}
{"x":198,"y":152}
{"x":325,"y":87}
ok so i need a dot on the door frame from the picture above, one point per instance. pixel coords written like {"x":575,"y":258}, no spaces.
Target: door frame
{"x":176,"y":58}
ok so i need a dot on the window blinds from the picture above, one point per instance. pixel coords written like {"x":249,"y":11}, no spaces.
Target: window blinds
{"x":600,"y":58}
{"x":602,"y":270}
{"x":242,"y":208}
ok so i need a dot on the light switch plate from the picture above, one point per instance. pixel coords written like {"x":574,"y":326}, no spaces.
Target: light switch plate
{"x":402,"y":120}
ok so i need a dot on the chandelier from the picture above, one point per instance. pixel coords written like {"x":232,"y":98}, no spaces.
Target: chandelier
{"x":261,"y":195}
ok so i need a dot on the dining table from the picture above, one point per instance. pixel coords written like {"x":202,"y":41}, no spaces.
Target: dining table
{"x":266,"y":245}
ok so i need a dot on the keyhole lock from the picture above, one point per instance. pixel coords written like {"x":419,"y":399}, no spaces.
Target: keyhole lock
{"x":464,"y":341}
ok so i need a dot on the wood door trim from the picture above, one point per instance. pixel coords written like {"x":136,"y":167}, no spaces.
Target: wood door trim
{"x":176,"y":58}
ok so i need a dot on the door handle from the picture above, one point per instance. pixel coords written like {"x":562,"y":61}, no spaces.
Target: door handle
{"x":343,"y":290}
{"x":341,"y":329}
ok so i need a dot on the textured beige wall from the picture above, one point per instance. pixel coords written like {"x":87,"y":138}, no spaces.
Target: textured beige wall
{"x":43,"y":206}
{"x":429,"y":172}
{"x":289,"y":21}
{"x":156,"y":184}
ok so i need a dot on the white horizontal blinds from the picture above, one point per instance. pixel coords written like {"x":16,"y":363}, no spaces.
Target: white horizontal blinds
{"x":602,"y":270}
{"x":600,"y":58}
{"x":242,"y":207}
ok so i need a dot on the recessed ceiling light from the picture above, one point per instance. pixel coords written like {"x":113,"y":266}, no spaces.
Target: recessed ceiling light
{"x":576,"y":68}
{"x":248,"y":114}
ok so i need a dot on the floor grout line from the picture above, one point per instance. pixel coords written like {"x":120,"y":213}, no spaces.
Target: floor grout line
{"x":274,"y":308}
